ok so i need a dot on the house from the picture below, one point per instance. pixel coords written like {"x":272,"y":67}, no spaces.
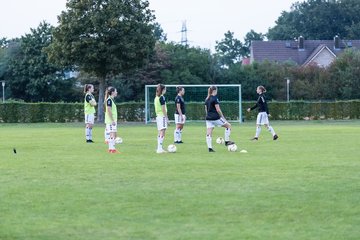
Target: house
{"x":303,"y":52}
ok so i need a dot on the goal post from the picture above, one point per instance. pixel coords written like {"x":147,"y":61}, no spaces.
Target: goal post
{"x":228,"y":94}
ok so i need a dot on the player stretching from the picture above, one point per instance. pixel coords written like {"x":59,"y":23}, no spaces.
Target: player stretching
{"x":215,"y":117}
{"x":89,"y":110}
{"x":262,"y":117}
{"x":179,"y":115}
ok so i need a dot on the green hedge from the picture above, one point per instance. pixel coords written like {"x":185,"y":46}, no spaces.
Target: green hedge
{"x":134,"y":111}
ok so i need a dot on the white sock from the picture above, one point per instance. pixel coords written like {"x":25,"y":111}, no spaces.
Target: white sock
{"x":271,"y":130}
{"x":111,"y":143}
{"x":87,"y":133}
{"x":258,"y":130}
{"x":176,"y":135}
{"x":227,"y":134}
{"x":90,"y":133}
{"x":106,"y":135}
{"x":180,"y":132}
{"x":160,"y":143}
{"x":209,"y":141}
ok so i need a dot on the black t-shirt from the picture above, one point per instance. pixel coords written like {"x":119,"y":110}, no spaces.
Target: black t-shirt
{"x":88,"y":97}
{"x":210,"y":103}
{"x":261,"y":104}
{"x":109,"y":102}
{"x":179,"y":100}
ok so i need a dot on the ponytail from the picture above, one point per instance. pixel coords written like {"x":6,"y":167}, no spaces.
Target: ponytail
{"x":179,"y":89}
{"x":108,"y":92}
{"x":87,"y":87}
{"x":210,"y":91}
{"x":159,"y":89}
{"x":262,"y":88}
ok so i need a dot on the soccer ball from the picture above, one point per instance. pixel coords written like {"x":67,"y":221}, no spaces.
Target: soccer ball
{"x":220,"y":140}
{"x":171,"y":148}
{"x":118,"y":140}
{"x":232,"y":148}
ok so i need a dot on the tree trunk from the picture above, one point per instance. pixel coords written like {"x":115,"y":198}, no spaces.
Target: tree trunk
{"x":100,"y":115}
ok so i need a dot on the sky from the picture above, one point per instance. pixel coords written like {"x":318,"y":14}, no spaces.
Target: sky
{"x":206,"y":20}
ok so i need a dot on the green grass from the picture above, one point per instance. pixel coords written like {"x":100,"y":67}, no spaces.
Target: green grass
{"x":306,"y":185}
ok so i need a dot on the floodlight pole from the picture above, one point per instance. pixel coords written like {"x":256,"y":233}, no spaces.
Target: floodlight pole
{"x":287,"y":89}
{"x":3,"y":88}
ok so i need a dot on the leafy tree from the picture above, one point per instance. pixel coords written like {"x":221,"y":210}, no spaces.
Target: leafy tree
{"x":159,"y":33}
{"x":31,"y":76}
{"x":344,"y":75}
{"x":103,"y":38}
{"x":229,"y":50}
{"x":318,"y":19}
{"x":251,"y":36}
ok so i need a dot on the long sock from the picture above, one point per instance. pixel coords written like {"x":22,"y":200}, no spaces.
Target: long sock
{"x":90,"y":133}
{"x":160,"y":142}
{"x":111,"y":143}
{"x":227,"y":134}
{"x":180,"y":135}
{"x":270,"y":128}
{"x":209,"y":141}
{"x":87,"y":133}
{"x":258,"y":130}
{"x":106,"y":136}
{"x":176,"y":135}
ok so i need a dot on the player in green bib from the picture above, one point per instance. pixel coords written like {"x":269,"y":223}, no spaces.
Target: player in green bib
{"x":162,"y":119}
{"x":89,"y":110}
{"x":111,"y":117}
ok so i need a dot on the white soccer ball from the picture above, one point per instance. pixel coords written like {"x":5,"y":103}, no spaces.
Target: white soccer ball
{"x":232,"y":148}
{"x":118,"y":140}
{"x":220,"y":140}
{"x":171,"y":148}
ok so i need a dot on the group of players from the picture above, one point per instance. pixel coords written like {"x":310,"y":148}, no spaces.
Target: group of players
{"x":214,"y":116}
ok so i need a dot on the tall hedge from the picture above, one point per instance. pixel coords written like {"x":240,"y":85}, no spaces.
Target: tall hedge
{"x":134,"y":111}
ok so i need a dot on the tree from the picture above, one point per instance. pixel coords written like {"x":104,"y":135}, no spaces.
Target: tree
{"x":230,"y":50}
{"x":103,"y":38}
{"x":251,"y":36}
{"x":318,"y":19}
{"x":31,"y":76}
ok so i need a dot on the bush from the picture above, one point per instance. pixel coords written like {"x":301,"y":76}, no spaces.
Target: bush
{"x":134,"y":111}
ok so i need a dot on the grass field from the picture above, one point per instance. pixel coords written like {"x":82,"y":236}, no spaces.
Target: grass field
{"x":306,"y":185}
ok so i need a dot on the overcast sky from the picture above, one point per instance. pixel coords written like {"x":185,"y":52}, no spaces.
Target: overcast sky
{"x":206,"y":20}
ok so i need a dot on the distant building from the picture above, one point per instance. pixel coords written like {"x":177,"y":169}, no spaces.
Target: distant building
{"x":303,"y":52}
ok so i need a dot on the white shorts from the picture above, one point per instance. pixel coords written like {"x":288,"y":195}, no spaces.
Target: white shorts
{"x":111,"y":128}
{"x":213,"y":123}
{"x":161,"y":123}
{"x":89,"y":118}
{"x":262,"y":118}
{"x":178,"y":119}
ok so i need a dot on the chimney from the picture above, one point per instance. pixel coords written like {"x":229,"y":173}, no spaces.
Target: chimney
{"x":301,"y":43}
{"x":336,"y":42}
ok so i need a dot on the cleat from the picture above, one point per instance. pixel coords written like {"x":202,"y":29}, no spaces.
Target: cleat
{"x":89,"y":141}
{"x":178,"y":142}
{"x":254,"y":139}
{"x":161,"y":151}
{"x":211,"y":150}
{"x":113,"y":151}
{"x":227,"y":143}
{"x":275,"y":137}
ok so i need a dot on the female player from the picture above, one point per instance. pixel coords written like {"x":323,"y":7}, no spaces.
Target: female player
{"x":162,"y":119}
{"x":215,"y":117}
{"x":89,"y":110}
{"x":179,"y":115}
{"x":111,"y":117}
{"x":262,"y":117}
